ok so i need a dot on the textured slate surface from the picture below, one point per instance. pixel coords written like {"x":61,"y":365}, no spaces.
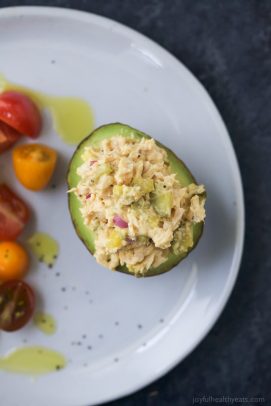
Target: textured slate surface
{"x":227,"y":45}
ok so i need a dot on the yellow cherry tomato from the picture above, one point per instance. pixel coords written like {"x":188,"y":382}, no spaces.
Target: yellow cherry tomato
{"x":14,"y":261}
{"x":34,"y":165}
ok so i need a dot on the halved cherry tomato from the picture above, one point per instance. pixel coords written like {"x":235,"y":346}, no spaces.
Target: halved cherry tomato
{"x":14,"y":261}
{"x":14,"y":214}
{"x":17,"y":302}
{"x":34,"y":165}
{"x":8,"y":136}
{"x":20,"y":112}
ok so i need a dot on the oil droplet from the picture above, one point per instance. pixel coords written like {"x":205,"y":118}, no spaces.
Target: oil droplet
{"x":73,"y":118}
{"x":45,"y":322}
{"x":44,"y":247}
{"x":33,"y":360}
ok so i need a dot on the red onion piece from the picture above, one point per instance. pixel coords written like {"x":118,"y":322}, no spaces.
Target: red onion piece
{"x":119,"y":222}
{"x":92,"y":162}
{"x":88,"y":196}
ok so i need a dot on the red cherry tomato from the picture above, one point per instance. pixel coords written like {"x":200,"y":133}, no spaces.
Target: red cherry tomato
{"x":8,"y":136}
{"x":14,"y":214}
{"x":20,"y":112}
{"x":17,"y":302}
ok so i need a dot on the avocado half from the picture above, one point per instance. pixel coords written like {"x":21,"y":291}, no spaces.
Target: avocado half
{"x":84,"y":233}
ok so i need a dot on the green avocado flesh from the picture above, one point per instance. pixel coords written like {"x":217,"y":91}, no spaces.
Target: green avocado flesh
{"x":85,"y":234}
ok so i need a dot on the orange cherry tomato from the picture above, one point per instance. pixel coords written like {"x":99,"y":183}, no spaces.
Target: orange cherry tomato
{"x":34,"y":165}
{"x":19,"y":112}
{"x":14,"y":261}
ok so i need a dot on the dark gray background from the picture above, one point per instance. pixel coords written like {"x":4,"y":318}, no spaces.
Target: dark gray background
{"x":227,"y":45}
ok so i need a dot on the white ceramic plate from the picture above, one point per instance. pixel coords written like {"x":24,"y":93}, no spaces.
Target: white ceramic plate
{"x":135,"y":330}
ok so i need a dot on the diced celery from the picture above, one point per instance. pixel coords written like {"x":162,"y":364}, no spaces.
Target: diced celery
{"x":146,"y":185}
{"x":153,"y":220}
{"x":183,"y":239}
{"x":162,"y":203}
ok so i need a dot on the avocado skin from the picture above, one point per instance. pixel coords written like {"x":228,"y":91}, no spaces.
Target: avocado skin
{"x":84,"y":233}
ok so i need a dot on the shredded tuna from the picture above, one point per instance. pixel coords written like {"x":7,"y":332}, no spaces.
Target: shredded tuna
{"x":128,"y":177}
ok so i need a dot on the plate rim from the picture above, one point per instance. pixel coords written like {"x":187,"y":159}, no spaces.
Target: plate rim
{"x":89,"y":17}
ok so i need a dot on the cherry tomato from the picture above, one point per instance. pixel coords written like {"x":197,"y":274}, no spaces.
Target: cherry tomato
{"x":14,"y":214}
{"x":20,"y":112}
{"x":17,"y":302}
{"x":34,"y":165}
{"x":14,"y":261}
{"x":8,"y":136}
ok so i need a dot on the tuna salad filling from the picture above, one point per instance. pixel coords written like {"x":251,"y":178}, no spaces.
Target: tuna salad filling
{"x":133,"y":202}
